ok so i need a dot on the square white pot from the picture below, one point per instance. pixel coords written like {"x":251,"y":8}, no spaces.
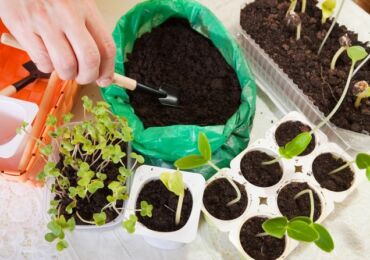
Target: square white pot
{"x":175,"y":239}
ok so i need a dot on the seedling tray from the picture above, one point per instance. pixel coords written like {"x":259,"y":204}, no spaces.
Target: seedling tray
{"x":262,"y":201}
{"x":274,"y":81}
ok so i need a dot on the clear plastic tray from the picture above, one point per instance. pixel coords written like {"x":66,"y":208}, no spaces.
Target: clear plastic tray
{"x":286,"y":94}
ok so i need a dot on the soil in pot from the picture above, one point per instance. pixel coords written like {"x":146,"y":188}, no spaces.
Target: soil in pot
{"x":287,"y":131}
{"x":326,"y":163}
{"x":87,"y":207}
{"x":164,"y":207}
{"x":260,"y":248}
{"x":216,"y":196}
{"x":300,"y":61}
{"x":291,"y":207}
{"x":175,"y":55}
{"x":260,"y":175}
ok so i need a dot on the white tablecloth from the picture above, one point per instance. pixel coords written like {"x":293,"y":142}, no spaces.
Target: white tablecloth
{"x":22,"y":225}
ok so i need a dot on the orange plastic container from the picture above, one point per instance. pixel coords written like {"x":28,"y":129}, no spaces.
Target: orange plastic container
{"x":65,"y":92}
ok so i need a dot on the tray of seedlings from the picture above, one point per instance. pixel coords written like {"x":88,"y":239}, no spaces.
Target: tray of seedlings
{"x":278,"y":190}
{"x":297,"y":53}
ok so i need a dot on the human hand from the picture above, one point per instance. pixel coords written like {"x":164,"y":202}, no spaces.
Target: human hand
{"x":68,"y":36}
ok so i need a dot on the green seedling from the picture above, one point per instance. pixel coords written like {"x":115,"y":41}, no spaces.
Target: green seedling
{"x":345,"y":43}
{"x":86,"y":150}
{"x":331,"y":27}
{"x":362,"y":161}
{"x":300,"y":143}
{"x":293,"y":5}
{"x":301,"y":229}
{"x":294,"y":20}
{"x":327,"y":8}
{"x":204,"y":158}
{"x":174,"y":183}
{"x":362,"y":91}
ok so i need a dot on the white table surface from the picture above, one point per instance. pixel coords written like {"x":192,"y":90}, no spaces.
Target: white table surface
{"x":21,"y":209}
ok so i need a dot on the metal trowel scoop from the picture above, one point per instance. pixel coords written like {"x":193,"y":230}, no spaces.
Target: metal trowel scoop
{"x":167,"y":96}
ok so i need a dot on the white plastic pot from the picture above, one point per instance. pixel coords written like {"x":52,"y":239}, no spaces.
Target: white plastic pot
{"x":175,"y":239}
{"x":12,"y":113}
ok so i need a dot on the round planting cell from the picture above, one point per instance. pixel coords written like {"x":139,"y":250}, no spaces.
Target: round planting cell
{"x":291,"y":207}
{"x":324,"y":164}
{"x":287,"y":131}
{"x":258,"y":174}
{"x":265,"y":247}
{"x":216,"y":196}
{"x":164,"y":207}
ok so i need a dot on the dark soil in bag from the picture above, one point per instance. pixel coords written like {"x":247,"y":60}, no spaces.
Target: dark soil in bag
{"x":175,"y":55}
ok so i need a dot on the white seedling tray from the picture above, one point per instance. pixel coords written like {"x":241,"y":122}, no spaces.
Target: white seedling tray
{"x":269,"y":145}
{"x":167,"y":240}
{"x":19,"y":110}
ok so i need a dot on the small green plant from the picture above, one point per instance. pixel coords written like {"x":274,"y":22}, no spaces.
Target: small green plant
{"x":331,"y":27}
{"x":88,"y":152}
{"x":300,"y":143}
{"x":204,"y":158}
{"x":301,"y":229}
{"x":345,"y":43}
{"x":327,"y":8}
{"x":361,"y":90}
{"x":174,"y":183}
{"x":362,"y":161}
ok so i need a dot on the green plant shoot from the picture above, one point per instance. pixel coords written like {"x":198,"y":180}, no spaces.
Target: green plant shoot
{"x":197,"y":160}
{"x":300,"y":229}
{"x":345,"y":43}
{"x":174,"y":182}
{"x":301,"y":141}
{"x":362,"y":161}
{"x":327,"y":8}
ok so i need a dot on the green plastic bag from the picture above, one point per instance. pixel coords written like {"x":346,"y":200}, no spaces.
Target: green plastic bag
{"x":163,"y":145}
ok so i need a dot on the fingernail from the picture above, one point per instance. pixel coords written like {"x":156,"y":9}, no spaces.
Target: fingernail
{"x":104,"y":82}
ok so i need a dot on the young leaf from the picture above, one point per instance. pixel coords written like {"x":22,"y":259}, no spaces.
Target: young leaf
{"x":130,"y":224}
{"x":50,"y":237}
{"x":51,"y":120}
{"x":87,"y":103}
{"x":54,"y":227}
{"x":67,"y":118}
{"x":363,"y":160}
{"x":137,"y":157}
{"x":146,"y":209}
{"x":190,"y":162}
{"x":46,"y":150}
{"x":100,"y":218}
{"x":297,"y":146}
{"x":325,"y":241}
{"x":62,"y":245}
{"x":94,"y":186}
{"x":173,"y":182}
{"x":302,"y":231}
{"x":71,"y":224}
{"x":71,"y":206}
{"x":204,"y":147}
{"x":276,"y":227}
{"x":328,"y":8}
{"x":125,"y":172}
{"x":302,"y":218}
{"x":356,"y":53}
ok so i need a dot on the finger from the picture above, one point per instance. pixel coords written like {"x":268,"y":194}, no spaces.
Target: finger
{"x":95,"y":25}
{"x":86,"y":51}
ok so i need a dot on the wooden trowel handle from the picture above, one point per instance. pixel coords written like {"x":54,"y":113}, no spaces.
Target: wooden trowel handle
{"x":8,"y":91}
{"x":124,"y":82}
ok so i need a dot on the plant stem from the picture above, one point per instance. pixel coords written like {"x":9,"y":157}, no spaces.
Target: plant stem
{"x":84,"y":220}
{"x":179,"y":208}
{"x":332,"y":113}
{"x":361,"y":65}
{"x":299,"y":30}
{"x":304,"y":4}
{"x":336,"y":56}
{"x":331,"y":27}
{"x":310,"y":193}
{"x":272,"y":161}
{"x":238,"y":194}
{"x":341,"y":168}
{"x":361,"y":96}
{"x":264,"y":234}
{"x":292,"y":6}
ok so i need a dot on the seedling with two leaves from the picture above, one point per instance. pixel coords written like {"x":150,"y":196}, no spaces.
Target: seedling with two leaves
{"x":362,"y":161}
{"x":194,"y":161}
{"x":299,"y":144}
{"x":86,"y":149}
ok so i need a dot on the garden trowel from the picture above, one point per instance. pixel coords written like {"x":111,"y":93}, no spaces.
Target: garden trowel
{"x":167,"y":96}
{"x":34,"y":75}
